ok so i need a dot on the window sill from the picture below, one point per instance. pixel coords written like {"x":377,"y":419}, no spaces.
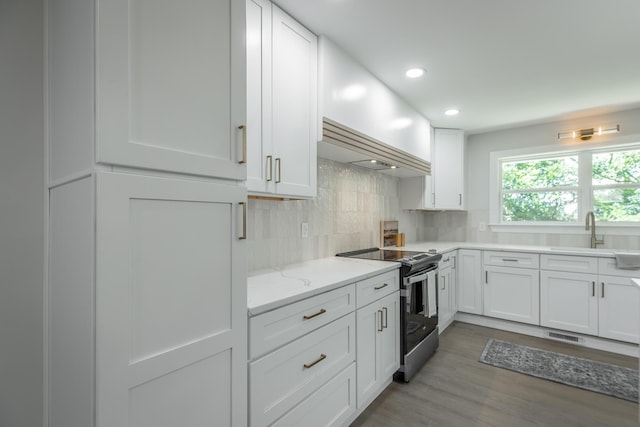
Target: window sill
{"x":601,"y":229}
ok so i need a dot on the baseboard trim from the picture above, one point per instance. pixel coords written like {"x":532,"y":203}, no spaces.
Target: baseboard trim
{"x":597,"y":343}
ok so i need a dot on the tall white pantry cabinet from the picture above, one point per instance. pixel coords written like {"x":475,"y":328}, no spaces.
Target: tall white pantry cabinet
{"x":146,"y":289}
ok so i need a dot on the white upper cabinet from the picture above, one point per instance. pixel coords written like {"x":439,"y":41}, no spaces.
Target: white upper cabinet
{"x":352,"y":97}
{"x":444,"y":189}
{"x":282,"y":76}
{"x":166,"y":81}
{"x":169,"y":91}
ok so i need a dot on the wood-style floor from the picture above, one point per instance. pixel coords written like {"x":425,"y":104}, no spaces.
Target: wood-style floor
{"x":454,"y":389}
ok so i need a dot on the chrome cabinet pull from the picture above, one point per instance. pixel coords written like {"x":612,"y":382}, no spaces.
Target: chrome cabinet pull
{"x":322,"y":311}
{"x":385,"y":325}
{"x":486,"y":277}
{"x":444,"y":281}
{"x":244,"y":221}
{"x":593,"y":289}
{"x":602,"y":289}
{"x":243,"y":128}
{"x":270,"y":168}
{"x":377,"y":288}
{"x":380,"y":328}
{"x":278,"y":169}
{"x":312,"y":364}
{"x":460,"y":203}
{"x":510,"y":259}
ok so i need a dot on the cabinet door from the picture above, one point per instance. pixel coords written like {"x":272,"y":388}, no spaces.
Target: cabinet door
{"x":512,"y":294}
{"x":259,"y":158}
{"x":469,"y":281}
{"x":568,"y":301}
{"x":171,"y":323}
{"x":448,"y":169}
{"x":170,"y":87}
{"x":444,"y":298}
{"x":294,"y":100}
{"x":389,"y":338}
{"x":378,"y":346}
{"x":618,"y":309}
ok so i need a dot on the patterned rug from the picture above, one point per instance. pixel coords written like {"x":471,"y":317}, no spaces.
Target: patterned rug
{"x":590,"y":375}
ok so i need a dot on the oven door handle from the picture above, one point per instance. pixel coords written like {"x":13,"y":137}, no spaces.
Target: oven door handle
{"x":414,"y":279}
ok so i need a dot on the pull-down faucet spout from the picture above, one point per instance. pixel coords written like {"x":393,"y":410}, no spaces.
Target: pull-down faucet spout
{"x":590,"y":219}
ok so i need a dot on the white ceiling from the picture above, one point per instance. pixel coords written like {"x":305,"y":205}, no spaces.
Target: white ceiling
{"x":502,"y":63}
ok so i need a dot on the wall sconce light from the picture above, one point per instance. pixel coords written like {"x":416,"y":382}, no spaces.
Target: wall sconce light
{"x":586,"y":134}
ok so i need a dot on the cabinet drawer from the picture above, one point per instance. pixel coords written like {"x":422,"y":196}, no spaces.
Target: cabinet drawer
{"x":284,"y":378}
{"x":577,"y":264}
{"x":332,"y":405}
{"x":448,"y":260}
{"x":270,"y":330}
{"x":376,"y":287}
{"x":511,"y":259}
{"x":608,"y":266}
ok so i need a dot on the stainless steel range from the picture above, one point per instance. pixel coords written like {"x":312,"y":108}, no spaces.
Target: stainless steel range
{"x":418,"y":302}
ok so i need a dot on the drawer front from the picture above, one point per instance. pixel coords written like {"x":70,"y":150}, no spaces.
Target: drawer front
{"x":577,"y":264}
{"x":282,"y":379}
{"x":271,"y":330}
{"x":447,"y":260}
{"x":511,"y":259}
{"x":608,"y":266}
{"x":377,"y":287}
{"x":332,"y":405}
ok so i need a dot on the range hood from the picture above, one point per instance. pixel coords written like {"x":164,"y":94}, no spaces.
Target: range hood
{"x":346,"y":145}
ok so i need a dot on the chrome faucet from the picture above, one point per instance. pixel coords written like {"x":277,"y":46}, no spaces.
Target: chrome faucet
{"x":594,"y":241}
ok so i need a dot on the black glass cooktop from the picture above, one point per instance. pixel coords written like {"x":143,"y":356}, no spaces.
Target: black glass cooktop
{"x":382,"y":254}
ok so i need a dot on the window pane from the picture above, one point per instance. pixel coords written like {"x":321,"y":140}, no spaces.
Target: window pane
{"x":549,"y":173}
{"x":543,"y":206}
{"x":619,"y":204}
{"x":616,"y":168}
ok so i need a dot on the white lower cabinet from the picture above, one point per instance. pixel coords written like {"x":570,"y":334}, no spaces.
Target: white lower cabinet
{"x":568,"y":301}
{"x":589,"y":303}
{"x":512,"y":294}
{"x":378,"y":344}
{"x":447,"y":306}
{"x":470,"y":281}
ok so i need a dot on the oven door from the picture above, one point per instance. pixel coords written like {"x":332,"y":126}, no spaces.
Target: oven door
{"x":420,"y":306}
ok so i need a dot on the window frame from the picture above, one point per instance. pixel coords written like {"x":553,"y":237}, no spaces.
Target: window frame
{"x":584,"y":151}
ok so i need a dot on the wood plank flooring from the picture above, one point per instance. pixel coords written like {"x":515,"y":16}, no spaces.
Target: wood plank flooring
{"x":454,"y":389}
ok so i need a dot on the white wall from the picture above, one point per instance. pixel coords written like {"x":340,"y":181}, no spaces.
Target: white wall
{"x":345,"y":216}
{"x":21,"y":213}
{"x":479,"y":148}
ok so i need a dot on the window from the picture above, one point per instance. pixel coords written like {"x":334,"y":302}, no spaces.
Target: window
{"x":560,"y":188}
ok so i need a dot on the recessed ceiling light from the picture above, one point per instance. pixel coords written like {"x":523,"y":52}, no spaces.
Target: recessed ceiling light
{"x":414,"y":73}
{"x":452,"y":112}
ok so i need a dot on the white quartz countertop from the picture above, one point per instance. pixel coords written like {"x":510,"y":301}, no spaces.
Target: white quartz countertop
{"x":443,"y":247}
{"x":277,"y":287}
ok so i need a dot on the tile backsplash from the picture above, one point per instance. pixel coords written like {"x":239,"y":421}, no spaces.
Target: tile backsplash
{"x":344,"y":216}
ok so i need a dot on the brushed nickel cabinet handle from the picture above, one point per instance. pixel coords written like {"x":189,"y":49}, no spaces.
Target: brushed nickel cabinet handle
{"x":460,"y":203}
{"x":270,"y":168}
{"x":510,"y":259}
{"x":486,"y":277}
{"x":312,"y":364}
{"x":377,"y":288}
{"x":278,"y":169}
{"x":593,"y":289}
{"x":322,"y":311}
{"x":380,"y":328}
{"x":602,"y":289}
{"x":244,"y":221}
{"x":385,"y":325}
{"x":444,"y":281}
{"x":243,"y":128}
